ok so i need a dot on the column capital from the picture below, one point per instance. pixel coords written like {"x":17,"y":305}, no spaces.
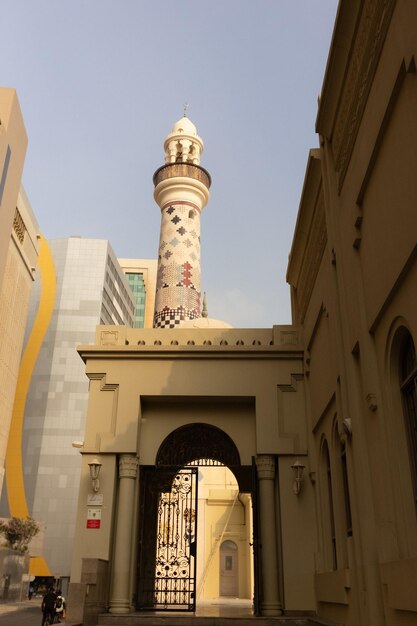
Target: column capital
{"x":128,"y":466}
{"x":265,"y":464}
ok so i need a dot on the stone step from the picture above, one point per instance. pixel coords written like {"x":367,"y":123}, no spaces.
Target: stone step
{"x":140,"y":619}
{"x":134,"y":619}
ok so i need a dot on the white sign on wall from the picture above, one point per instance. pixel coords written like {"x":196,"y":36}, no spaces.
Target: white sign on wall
{"x":93,"y":518}
{"x":95,"y":499}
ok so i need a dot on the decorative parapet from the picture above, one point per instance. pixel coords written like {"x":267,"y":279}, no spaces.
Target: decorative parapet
{"x":368,"y":43}
{"x":110,"y":337}
{"x":287,"y":338}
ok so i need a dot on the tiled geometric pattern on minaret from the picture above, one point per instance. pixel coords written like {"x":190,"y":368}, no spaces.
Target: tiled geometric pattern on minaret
{"x":178,"y":282}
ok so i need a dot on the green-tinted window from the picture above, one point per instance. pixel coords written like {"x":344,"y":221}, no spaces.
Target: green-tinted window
{"x":137,"y":285}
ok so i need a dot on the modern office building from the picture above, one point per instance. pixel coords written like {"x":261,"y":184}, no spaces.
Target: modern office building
{"x":80,"y":285}
{"x":13,"y":144}
{"x":141,"y":277}
{"x":316,"y":420}
{"x":20,"y":271}
{"x":18,"y":257}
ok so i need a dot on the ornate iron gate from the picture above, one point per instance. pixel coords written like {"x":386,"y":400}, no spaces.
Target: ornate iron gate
{"x":168,"y":575}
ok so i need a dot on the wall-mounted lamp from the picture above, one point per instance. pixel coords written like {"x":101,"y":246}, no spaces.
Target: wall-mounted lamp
{"x":95,"y":467}
{"x":347,"y":426}
{"x":298,"y":469}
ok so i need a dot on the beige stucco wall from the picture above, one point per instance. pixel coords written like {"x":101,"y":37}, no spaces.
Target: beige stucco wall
{"x":145,"y":378}
{"x":353,"y":276}
{"x":223,"y":515}
{"x":95,"y":543}
{"x":144,"y":384}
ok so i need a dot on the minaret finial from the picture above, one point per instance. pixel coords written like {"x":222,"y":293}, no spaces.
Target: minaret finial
{"x":185,"y":106}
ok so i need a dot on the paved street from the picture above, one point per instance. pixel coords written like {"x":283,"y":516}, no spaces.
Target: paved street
{"x":26,"y":613}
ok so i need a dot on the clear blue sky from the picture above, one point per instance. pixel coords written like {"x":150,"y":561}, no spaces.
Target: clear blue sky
{"x":101,"y":82}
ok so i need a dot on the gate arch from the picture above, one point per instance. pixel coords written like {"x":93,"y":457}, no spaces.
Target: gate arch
{"x":197,"y":441}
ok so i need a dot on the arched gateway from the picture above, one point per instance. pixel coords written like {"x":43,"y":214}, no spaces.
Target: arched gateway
{"x":168,"y":513}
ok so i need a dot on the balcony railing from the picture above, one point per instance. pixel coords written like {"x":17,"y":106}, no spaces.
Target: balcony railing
{"x":186,"y":170}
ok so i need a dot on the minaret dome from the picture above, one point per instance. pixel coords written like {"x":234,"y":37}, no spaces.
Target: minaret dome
{"x":183,"y":145}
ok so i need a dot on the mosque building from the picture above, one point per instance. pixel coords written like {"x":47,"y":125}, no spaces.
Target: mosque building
{"x":197,"y":409}
{"x":316,"y":420}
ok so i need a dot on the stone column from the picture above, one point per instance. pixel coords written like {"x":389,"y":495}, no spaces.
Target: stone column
{"x":270,"y":603}
{"x":119,"y":597}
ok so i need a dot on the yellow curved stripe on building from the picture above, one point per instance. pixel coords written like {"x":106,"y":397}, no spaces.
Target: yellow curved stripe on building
{"x":14,"y":465}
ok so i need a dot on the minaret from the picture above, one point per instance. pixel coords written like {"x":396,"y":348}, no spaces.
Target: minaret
{"x":181,"y":191}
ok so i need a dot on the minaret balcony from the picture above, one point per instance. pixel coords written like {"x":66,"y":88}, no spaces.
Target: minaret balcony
{"x":182,"y":170}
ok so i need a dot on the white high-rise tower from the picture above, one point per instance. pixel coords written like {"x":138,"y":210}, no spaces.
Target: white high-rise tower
{"x":181,"y":191}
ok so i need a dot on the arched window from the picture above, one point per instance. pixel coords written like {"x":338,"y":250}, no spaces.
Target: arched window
{"x":346,"y":493}
{"x":408,"y":376}
{"x":329,"y":508}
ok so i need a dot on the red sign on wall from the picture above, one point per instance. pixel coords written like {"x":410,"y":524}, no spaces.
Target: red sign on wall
{"x":93,"y":523}
{"x":93,"y":517}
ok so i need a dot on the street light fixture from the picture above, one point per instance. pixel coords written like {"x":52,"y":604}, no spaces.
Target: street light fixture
{"x":95,"y":467}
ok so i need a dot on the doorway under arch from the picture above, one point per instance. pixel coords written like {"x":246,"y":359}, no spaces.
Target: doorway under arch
{"x":229,"y":569}
{"x":169,"y":509}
